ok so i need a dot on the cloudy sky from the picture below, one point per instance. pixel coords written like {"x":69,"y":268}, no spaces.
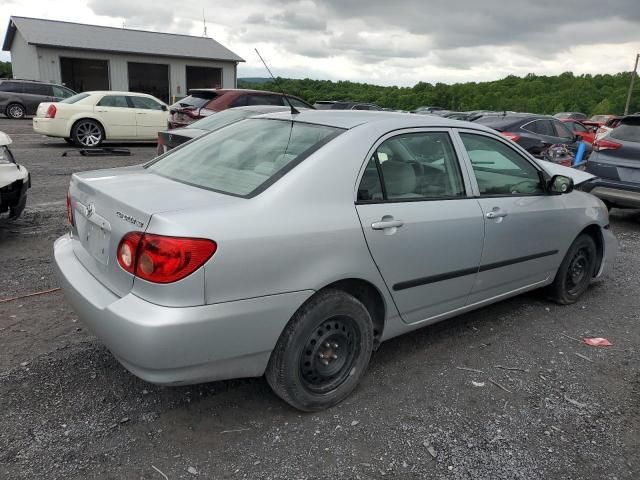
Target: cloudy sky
{"x":398,"y":42}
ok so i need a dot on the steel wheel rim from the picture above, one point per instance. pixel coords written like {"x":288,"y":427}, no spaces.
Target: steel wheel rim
{"x":16,"y":111}
{"x":329,"y":354}
{"x":578,"y":271}
{"x":89,"y":134}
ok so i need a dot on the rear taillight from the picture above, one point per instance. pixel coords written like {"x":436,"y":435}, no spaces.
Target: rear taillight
{"x":514,"y":137}
{"x":51,"y":112}
{"x":602,"y":144}
{"x":161,"y":259}
{"x":70,"y":210}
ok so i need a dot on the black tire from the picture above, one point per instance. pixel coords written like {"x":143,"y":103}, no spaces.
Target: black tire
{"x":310,"y":368}
{"x":87,"y":133}
{"x":575,"y":272}
{"x":15,"y":111}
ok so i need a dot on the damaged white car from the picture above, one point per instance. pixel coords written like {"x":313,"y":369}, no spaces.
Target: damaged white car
{"x":14,"y":181}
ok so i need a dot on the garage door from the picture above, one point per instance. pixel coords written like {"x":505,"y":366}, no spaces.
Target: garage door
{"x":203,"y":77}
{"x":151,"y":78}
{"x":84,"y":74}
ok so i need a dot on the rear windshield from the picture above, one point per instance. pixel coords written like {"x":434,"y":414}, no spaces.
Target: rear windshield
{"x":221,"y":119}
{"x":629,"y":132}
{"x":75,"y":98}
{"x":198,"y":99}
{"x":244,"y":158}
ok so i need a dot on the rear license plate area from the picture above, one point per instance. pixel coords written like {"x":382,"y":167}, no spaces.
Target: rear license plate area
{"x":95,"y":235}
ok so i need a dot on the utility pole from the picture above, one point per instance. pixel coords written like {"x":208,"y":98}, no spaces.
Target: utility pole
{"x":633,"y":79}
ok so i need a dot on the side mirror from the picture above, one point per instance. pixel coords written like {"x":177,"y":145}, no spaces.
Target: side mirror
{"x":560,"y":184}
{"x":164,"y":108}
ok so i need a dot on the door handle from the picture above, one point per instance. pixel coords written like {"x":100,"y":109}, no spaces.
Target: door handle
{"x":496,"y":213}
{"x":384,"y":224}
{"x":141,"y":113}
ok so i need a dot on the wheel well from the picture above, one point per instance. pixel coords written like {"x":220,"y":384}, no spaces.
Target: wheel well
{"x":370,"y":296}
{"x":594,"y":232}
{"x":104,"y":132}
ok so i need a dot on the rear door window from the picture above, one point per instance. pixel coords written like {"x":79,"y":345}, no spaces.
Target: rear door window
{"x":61,"y":92}
{"x":38,"y":89}
{"x":113,"y":101}
{"x":198,"y":99}
{"x":413,"y":166}
{"x":244,"y":158}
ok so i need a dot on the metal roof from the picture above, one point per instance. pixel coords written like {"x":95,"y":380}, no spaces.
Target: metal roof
{"x":78,"y":36}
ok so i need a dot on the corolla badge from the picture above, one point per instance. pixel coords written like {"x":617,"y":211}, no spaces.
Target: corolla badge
{"x":91,"y":208}
{"x":130,"y":219}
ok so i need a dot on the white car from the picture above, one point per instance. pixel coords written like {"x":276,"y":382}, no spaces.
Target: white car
{"x":89,"y":118}
{"x":14,"y":181}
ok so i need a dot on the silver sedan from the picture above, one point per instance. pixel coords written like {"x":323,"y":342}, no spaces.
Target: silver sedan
{"x":291,"y":245}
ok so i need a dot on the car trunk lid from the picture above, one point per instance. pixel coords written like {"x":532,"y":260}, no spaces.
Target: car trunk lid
{"x":108,"y":204}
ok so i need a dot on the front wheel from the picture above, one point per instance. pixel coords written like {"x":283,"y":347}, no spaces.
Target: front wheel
{"x":576,"y":271}
{"x":323,"y":352}
{"x":87,"y":133}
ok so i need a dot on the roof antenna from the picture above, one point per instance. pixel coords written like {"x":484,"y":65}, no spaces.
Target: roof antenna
{"x":204,"y":23}
{"x":293,"y":109}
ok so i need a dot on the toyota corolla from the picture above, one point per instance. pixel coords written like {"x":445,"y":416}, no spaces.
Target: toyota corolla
{"x":291,"y":245}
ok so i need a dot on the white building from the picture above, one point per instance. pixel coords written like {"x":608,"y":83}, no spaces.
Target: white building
{"x":91,"y":57}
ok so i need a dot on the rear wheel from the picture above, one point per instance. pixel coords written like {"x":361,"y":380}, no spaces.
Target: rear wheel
{"x":15,"y":111}
{"x":576,"y":271}
{"x":87,"y":133}
{"x":322,"y":353}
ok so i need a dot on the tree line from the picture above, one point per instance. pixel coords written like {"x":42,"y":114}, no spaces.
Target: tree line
{"x":590,"y":94}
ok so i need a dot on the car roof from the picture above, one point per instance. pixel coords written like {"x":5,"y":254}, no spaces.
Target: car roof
{"x":116,"y":92}
{"x":237,"y":90}
{"x":352,"y":118}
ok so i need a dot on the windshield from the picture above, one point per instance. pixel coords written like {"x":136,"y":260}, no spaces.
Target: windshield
{"x":75,"y":98}
{"x":244,"y":158}
{"x":221,"y":119}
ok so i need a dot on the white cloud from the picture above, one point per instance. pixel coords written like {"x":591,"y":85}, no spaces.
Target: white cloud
{"x":391,"y":43}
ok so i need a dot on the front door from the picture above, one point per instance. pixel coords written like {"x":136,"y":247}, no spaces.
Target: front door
{"x":150,"y":117}
{"x":424,"y":230}
{"x":526,"y":229}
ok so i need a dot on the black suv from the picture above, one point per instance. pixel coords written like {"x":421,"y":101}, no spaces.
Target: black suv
{"x":19,"y":98}
{"x":534,"y":133}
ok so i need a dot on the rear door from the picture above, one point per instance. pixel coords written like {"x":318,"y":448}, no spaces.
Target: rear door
{"x":150,"y":116}
{"x":117,"y":117}
{"x":545,"y":135}
{"x":422,"y":225}
{"x":526,"y":229}
{"x":34,"y":94}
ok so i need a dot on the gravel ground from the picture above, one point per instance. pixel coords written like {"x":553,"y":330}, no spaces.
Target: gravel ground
{"x":543,"y":405}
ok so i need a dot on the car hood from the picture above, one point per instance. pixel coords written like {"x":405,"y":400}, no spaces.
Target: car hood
{"x":578,"y":176}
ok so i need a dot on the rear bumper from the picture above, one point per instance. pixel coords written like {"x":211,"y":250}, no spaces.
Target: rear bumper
{"x":51,"y":126}
{"x":175,"y":346}
{"x":619,"y":193}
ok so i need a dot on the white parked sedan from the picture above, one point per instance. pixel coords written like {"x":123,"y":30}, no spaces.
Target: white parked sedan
{"x":89,"y":118}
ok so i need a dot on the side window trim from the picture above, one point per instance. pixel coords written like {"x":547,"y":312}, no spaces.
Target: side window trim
{"x":468,"y":182}
{"x":463,"y":156}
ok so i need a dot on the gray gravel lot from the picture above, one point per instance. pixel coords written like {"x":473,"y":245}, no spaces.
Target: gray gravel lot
{"x":558,"y":409}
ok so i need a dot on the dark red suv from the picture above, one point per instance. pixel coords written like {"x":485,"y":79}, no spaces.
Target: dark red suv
{"x":203,"y":102}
